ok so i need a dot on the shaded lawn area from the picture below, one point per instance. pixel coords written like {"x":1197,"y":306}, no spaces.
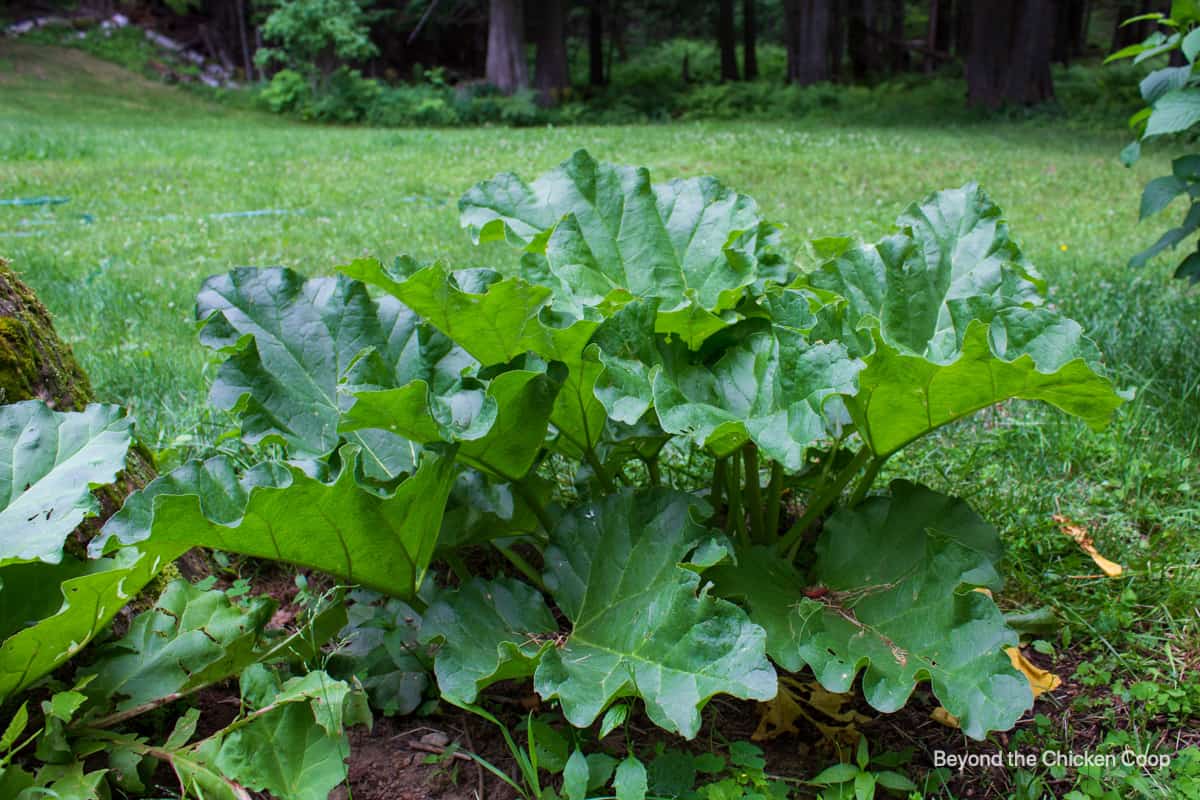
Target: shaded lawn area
{"x":158,"y":182}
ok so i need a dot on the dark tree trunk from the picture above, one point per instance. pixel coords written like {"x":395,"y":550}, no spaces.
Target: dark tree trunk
{"x":1069,"y":31}
{"x":749,"y":40}
{"x":727,"y":40}
{"x":898,"y":53}
{"x":837,"y":40}
{"x":963,"y":22}
{"x":550,"y":70}
{"x":1009,"y":56}
{"x":931,"y":35}
{"x":1125,"y":35}
{"x":863,"y":39}
{"x":808,"y":24}
{"x":943,"y":38}
{"x":506,"y":67}
{"x":596,"y":43}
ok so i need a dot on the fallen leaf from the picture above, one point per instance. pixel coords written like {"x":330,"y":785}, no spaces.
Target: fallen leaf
{"x":945,"y":717}
{"x":1081,"y":537}
{"x":1040,"y":680}
{"x":833,"y":714}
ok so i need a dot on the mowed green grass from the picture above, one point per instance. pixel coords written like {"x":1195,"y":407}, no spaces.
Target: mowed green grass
{"x":155,"y":168}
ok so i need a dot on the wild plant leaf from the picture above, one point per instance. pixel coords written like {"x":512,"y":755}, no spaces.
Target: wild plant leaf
{"x":191,"y":638}
{"x":641,"y":624}
{"x":486,"y":631}
{"x":496,"y":320}
{"x":896,"y":576}
{"x":602,"y":231}
{"x":294,"y":746}
{"x":481,"y":509}
{"x":382,"y":542}
{"x":948,"y":316}
{"x":380,"y":649}
{"x":291,"y":344}
{"x":49,"y":463}
{"x":40,"y":634}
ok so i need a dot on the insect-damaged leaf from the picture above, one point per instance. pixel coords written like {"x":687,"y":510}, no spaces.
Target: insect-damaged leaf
{"x":49,"y":463}
{"x":896,"y":576}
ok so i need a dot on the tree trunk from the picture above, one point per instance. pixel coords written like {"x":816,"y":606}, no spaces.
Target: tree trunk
{"x":550,"y":70}
{"x":749,"y":40}
{"x":837,"y":40}
{"x":897,"y":51}
{"x":1009,"y":56}
{"x":931,"y":35}
{"x":596,"y":44}
{"x":727,"y":40}
{"x":1069,"y":31}
{"x":506,"y":69}
{"x":863,"y":40}
{"x":1125,"y":35}
{"x":808,"y":24}
{"x":35,"y":364}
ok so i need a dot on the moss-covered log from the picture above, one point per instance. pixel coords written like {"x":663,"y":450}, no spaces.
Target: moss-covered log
{"x":36,"y":364}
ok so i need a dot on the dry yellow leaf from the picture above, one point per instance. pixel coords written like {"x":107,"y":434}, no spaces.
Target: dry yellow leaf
{"x":945,"y":717}
{"x":1040,"y":680}
{"x":1081,"y":537}
{"x":834,"y":715}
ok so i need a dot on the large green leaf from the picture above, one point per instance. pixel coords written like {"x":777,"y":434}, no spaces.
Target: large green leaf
{"x":292,"y":346}
{"x":769,"y":389}
{"x":1033,"y":354}
{"x":38,"y":637}
{"x":221,"y":488}
{"x":898,"y":575}
{"x":294,"y":744}
{"x":496,"y":320}
{"x":948,"y":316}
{"x":641,"y":625}
{"x":383,"y":542}
{"x":49,"y":463}
{"x":599,"y":231}
{"x":515,"y":429}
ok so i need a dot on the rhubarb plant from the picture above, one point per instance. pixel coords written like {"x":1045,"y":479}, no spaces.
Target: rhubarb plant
{"x":421,"y":416}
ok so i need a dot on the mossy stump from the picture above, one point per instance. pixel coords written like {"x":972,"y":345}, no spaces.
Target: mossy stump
{"x":35,"y":364}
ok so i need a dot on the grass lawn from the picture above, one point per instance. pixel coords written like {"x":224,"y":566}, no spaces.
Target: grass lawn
{"x":158,"y":181}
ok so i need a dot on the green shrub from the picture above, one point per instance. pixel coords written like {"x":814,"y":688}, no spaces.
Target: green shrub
{"x":288,"y":91}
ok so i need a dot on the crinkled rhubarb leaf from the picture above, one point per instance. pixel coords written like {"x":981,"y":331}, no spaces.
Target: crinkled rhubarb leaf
{"x":293,"y":344}
{"x":383,"y":542}
{"x":596,"y":231}
{"x":641,"y":625}
{"x":896,"y":600}
{"x":49,"y":463}
{"x":948,"y":316}
{"x":769,"y":389}
{"x":496,"y":320}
